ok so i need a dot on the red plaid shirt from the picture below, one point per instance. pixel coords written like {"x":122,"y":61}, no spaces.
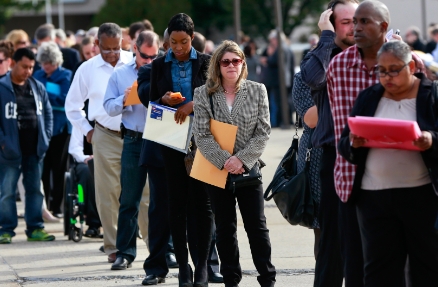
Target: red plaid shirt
{"x":347,"y":76}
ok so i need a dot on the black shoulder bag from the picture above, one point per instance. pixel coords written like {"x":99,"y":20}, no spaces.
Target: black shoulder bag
{"x":290,"y":189}
{"x":248,"y":178}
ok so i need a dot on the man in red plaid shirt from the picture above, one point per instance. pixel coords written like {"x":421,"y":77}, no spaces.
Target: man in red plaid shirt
{"x":353,"y":71}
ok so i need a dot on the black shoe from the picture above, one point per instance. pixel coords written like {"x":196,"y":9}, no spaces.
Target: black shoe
{"x":93,"y":232}
{"x":183,"y":283}
{"x":101,"y":249}
{"x":214,"y":277}
{"x":121,"y":264}
{"x":153,"y":280}
{"x":171,"y":261}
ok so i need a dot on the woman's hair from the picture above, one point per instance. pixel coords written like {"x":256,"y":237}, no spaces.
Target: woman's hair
{"x":49,"y":52}
{"x":15,"y":36}
{"x":85,"y":41}
{"x":181,"y":22}
{"x":214,"y":75}
{"x":7,"y":48}
{"x":399,"y":49}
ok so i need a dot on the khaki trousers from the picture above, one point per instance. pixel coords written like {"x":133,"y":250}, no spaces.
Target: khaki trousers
{"x":107,"y":151}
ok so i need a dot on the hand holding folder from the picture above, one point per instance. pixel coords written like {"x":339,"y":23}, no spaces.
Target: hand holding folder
{"x":202,"y":169}
{"x":133,"y":98}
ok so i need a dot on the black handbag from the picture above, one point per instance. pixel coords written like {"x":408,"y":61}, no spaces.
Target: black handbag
{"x":290,"y":189}
{"x":248,"y":178}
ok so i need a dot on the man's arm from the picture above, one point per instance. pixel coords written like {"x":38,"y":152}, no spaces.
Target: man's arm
{"x":114,"y":99}
{"x":48,"y":114}
{"x":74,"y":103}
{"x":76,"y":145}
{"x":315,"y":64}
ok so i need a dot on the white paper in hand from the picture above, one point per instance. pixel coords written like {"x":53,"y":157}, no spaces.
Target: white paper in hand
{"x":389,"y":35}
{"x":161,"y":128}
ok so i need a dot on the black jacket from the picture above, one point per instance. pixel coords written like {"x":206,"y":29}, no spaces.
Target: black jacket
{"x":161,"y":77}
{"x":427,"y":116}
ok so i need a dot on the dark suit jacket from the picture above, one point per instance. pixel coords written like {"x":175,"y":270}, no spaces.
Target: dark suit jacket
{"x":150,"y":154}
{"x":71,"y":58}
{"x":427,"y":116}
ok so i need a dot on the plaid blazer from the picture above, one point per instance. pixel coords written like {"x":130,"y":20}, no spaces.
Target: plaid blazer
{"x":250,"y":113}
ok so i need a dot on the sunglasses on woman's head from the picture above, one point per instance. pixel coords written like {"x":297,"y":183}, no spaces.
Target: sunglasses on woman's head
{"x":226,"y":62}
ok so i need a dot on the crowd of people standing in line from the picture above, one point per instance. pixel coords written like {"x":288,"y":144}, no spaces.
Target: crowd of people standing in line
{"x":376,"y":219}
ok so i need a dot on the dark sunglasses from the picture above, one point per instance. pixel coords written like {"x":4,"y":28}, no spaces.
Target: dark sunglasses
{"x":235,"y":62}
{"x":146,"y":57}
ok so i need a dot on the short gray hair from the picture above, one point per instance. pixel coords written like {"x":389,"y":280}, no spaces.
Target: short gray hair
{"x":44,"y":31}
{"x":110,"y":29}
{"x":399,"y":49}
{"x":49,"y":52}
{"x":149,"y":38}
{"x":60,"y":34}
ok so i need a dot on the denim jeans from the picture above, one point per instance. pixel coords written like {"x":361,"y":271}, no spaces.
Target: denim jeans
{"x":31,"y":167}
{"x":133,"y":179}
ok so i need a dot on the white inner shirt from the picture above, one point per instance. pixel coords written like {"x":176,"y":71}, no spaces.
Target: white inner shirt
{"x":395,"y":168}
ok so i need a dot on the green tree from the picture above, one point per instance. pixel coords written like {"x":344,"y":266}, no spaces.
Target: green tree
{"x":7,"y":7}
{"x":125,"y":12}
{"x":258,"y":16}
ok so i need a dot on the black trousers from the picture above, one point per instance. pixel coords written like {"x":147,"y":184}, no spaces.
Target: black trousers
{"x":55,"y":165}
{"x":251,"y":205}
{"x":329,"y":263}
{"x":85,"y":178}
{"x":395,"y":223}
{"x":158,"y":228}
{"x":192,"y":239}
{"x":180,"y":188}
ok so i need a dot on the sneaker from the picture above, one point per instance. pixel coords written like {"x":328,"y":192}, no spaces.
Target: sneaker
{"x":40,"y":235}
{"x":5,"y":238}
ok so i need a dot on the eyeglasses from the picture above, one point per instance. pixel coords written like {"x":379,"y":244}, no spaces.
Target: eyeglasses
{"x":382,"y":74}
{"x":109,"y":51}
{"x":2,"y":60}
{"x":146,"y":57}
{"x":226,"y":62}
{"x":182,"y":71}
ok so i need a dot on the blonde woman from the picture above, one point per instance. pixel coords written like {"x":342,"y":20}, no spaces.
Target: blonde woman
{"x":236,"y":101}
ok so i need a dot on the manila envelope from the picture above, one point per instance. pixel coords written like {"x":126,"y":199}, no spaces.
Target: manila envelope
{"x":133,"y":98}
{"x":205,"y":171}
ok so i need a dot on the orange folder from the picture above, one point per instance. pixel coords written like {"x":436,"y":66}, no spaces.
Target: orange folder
{"x":205,"y":171}
{"x":133,"y":98}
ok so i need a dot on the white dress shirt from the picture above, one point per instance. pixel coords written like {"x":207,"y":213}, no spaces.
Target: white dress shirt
{"x":76,"y":145}
{"x":90,"y":83}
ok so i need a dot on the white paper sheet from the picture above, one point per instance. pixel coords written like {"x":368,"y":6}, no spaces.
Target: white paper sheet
{"x":161,"y":128}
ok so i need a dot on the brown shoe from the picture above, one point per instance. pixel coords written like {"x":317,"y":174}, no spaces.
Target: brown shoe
{"x":112,"y":257}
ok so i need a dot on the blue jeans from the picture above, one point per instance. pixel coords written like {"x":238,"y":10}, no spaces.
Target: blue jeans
{"x":31,"y":167}
{"x":133,"y":179}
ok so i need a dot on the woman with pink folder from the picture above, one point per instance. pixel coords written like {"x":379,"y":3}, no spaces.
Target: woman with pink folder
{"x":396,"y":189}
{"x":229,"y":98}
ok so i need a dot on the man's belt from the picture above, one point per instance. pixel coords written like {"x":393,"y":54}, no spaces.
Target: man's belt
{"x":105,"y":128}
{"x":133,"y":134}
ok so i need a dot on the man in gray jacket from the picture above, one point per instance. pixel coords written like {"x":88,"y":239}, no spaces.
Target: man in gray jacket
{"x":25,"y":131}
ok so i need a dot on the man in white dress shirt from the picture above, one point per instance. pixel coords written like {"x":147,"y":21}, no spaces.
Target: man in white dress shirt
{"x":90,"y":82}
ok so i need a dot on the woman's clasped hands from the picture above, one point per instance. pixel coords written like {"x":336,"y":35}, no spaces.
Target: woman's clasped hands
{"x":234,"y":166}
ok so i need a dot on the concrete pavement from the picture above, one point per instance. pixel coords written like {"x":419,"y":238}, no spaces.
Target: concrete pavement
{"x":66,"y":263}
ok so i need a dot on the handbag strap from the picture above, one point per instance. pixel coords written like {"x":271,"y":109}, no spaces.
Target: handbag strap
{"x":211,"y":105}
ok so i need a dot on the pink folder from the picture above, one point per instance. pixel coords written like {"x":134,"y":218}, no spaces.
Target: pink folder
{"x":385,"y":133}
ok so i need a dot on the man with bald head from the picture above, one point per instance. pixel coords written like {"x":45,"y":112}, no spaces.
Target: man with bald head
{"x":349,"y":73}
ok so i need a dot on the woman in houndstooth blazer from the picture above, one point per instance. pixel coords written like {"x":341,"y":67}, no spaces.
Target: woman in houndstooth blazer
{"x":243,"y":103}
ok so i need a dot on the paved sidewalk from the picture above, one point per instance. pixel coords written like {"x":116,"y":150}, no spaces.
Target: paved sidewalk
{"x":66,"y":263}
